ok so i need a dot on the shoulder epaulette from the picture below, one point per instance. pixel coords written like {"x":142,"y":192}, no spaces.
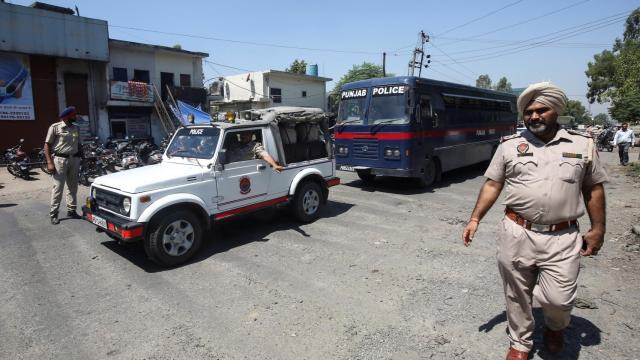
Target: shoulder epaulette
{"x":581,"y":133}
{"x":509,"y":137}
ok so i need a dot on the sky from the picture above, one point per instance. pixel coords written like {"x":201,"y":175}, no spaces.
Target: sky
{"x":524,"y":40}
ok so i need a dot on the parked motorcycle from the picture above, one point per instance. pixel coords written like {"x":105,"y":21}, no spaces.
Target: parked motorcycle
{"x":91,"y":166}
{"x":17,"y":161}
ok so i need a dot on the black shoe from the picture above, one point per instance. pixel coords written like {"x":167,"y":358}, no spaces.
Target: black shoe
{"x":73,"y":214}
{"x":55,"y":220}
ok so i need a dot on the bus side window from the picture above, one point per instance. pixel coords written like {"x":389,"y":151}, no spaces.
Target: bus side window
{"x":425,"y":109}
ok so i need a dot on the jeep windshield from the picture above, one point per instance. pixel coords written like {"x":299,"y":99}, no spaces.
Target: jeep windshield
{"x":199,"y":143}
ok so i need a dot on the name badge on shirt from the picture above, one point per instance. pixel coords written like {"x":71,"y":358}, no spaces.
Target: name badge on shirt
{"x":571,"y":155}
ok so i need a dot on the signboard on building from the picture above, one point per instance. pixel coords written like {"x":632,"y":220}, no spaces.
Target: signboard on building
{"x":131,"y":91}
{"x":16,"y":97}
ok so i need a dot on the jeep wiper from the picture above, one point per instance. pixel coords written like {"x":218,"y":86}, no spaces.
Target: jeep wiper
{"x":176,"y":152}
{"x":379,"y":125}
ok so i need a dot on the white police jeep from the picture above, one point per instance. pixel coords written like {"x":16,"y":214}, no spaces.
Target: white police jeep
{"x":170,"y":205}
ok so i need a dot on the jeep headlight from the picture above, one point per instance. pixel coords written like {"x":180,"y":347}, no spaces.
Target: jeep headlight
{"x":126,"y":205}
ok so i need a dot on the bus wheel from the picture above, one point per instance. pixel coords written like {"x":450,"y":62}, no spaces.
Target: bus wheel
{"x":431,"y":174}
{"x":366,"y":176}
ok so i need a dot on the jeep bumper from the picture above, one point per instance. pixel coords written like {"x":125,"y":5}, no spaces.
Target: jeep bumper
{"x":114,"y":226}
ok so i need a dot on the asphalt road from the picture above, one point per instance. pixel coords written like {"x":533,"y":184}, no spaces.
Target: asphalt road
{"x":382,"y":275}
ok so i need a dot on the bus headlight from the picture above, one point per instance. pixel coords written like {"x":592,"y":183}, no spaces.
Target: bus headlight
{"x":392,"y":153}
{"x":126,"y":206}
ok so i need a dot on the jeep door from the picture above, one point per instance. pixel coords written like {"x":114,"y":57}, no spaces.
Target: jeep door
{"x":244,"y":180}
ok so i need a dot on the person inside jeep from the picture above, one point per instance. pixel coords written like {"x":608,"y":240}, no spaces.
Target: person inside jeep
{"x":241,"y":146}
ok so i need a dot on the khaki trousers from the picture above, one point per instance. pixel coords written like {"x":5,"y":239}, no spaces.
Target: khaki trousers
{"x":540,"y":264}
{"x":67,"y":172}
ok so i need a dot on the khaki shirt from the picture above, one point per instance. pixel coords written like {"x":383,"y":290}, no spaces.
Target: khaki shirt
{"x":249,"y":151}
{"x":63,"y":139}
{"x":544,"y":181}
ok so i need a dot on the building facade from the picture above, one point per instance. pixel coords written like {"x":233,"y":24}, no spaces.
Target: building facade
{"x":262,"y":89}
{"x":137,"y":74}
{"x":51,"y":59}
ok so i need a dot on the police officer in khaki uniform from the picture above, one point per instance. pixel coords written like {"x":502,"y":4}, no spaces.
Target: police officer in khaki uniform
{"x":551,"y":176}
{"x":62,"y":151}
{"x":248,"y":149}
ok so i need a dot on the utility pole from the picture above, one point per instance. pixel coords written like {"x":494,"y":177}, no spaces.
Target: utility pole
{"x":384,"y":64}
{"x":419,"y":50}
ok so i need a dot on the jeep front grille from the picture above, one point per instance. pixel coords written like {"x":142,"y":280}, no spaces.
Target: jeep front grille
{"x":108,"y":200}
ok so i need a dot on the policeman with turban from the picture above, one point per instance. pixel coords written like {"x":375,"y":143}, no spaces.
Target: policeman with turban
{"x":62,"y":151}
{"x":552,"y":176}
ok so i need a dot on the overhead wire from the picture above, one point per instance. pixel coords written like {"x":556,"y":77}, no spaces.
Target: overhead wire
{"x":481,"y":17}
{"x":562,"y":34}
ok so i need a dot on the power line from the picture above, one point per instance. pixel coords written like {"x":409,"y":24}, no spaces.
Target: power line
{"x":482,"y":17}
{"x":454,"y":60}
{"x":252,"y":43}
{"x":562,"y":34}
{"x":529,"y":20}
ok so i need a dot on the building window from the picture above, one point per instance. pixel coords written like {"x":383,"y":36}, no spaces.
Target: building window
{"x":120,"y":74}
{"x":141,"y":75}
{"x":304,"y":93}
{"x":185,"y":80}
{"x":166,"y":79}
{"x":276,"y":95}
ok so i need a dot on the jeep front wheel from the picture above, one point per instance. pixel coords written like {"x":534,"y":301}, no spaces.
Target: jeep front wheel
{"x":174,"y":238}
{"x":307,"y":202}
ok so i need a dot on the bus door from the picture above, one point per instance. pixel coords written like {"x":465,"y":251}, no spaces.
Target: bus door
{"x":425,"y":124}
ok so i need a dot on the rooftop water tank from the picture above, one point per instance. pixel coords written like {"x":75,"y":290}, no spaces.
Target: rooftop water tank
{"x":312,"y":70}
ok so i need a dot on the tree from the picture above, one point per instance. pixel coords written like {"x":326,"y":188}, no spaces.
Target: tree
{"x":601,"y":119}
{"x":614,"y":75}
{"x":578,"y":111}
{"x":503,"y":85}
{"x":358,"y":72}
{"x":177,"y":46}
{"x":483,"y":81}
{"x":297,"y":67}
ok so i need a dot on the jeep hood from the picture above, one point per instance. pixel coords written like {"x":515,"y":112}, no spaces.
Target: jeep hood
{"x":153,"y":177}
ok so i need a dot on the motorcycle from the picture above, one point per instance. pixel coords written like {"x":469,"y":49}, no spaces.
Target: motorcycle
{"x":17,"y":161}
{"x":90,"y":167}
{"x":603,"y":141}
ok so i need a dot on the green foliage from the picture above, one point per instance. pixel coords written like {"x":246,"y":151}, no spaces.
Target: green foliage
{"x":297,"y":67}
{"x":483,"y":81}
{"x":601,"y":119}
{"x":503,"y":85}
{"x":578,"y":111}
{"x":177,"y":46}
{"x":615,"y":75}
{"x":626,"y":108}
{"x":358,"y":72}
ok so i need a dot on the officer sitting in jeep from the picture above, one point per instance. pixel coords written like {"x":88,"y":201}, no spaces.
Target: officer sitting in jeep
{"x":248,"y":149}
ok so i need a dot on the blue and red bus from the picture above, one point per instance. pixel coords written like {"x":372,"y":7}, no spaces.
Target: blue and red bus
{"x":418,"y":128}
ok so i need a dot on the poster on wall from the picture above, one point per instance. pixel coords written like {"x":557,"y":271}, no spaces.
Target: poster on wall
{"x":16,"y":98}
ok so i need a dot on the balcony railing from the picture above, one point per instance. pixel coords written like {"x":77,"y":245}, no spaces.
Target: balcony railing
{"x":131,"y":91}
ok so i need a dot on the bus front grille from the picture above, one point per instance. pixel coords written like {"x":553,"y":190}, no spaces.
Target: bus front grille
{"x":365,"y":149}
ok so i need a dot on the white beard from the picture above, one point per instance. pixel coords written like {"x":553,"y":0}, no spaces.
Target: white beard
{"x":538,"y":128}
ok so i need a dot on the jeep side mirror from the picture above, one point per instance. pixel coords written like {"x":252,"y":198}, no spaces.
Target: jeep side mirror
{"x":222,"y":160}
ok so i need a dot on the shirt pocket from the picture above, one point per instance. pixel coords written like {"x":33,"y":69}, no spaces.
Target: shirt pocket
{"x":570,"y":170}
{"x":525,"y":169}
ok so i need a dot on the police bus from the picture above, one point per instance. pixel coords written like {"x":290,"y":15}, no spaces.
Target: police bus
{"x":418,"y":128}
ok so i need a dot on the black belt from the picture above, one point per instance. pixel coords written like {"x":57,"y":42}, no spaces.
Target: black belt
{"x":66,"y":156}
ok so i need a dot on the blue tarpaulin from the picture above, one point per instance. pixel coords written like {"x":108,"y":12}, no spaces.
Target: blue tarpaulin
{"x":199,"y":116}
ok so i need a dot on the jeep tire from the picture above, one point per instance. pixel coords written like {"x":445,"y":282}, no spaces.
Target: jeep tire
{"x":174,"y":238}
{"x":307,"y":202}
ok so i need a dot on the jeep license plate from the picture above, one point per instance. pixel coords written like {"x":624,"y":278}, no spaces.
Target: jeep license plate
{"x":346,"y":168}
{"x":97,"y":220}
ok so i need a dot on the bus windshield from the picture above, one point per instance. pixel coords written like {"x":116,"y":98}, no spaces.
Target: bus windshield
{"x":352,"y":106}
{"x":388,"y":105}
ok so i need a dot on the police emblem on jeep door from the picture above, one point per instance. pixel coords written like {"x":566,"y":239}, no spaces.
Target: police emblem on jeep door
{"x":245,"y":185}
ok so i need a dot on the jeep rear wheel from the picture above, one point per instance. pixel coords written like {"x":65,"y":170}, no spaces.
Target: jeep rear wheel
{"x":307,"y":202}
{"x":174,"y":238}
